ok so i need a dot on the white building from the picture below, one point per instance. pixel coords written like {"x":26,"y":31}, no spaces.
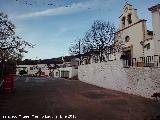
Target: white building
{"x":66,"y":72}
{"x":67,"y":69}
{"x":138,"y":44}
{"x":30,"y":69}
{"x":44,"y":69}
{"x":155,"y":10}
{"x":33,"y":69}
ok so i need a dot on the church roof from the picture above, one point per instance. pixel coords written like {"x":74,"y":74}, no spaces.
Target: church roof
{"x":127,"y":4}
{"x":154,"y":7}
{"x":143,"y":20}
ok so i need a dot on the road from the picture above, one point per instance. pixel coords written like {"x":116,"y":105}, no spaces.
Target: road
{"x":52,"y":99}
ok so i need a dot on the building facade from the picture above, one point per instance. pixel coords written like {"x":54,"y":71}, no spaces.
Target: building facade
{"x":155,"y":10}
{"x":33,"y":70}
{"x":67,"y":69}
{"x":138,"y":44}
{"x":30,"y":69}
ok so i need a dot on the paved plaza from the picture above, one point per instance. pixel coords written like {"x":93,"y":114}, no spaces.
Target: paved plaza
{"x":49,"y":98}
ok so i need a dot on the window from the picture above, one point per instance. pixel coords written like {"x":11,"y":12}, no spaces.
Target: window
{"x":126,"y":9}
{"x":147,"y":46}
{"x":123,"y":21}
{"x":56,"y":73}
{"x":129,"y":19}
{"x":127,"y":39}
{"x":31,"y":68}
{"x":65,"y":74}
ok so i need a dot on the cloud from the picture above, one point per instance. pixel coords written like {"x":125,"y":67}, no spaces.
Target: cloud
{"x":63,"y":10}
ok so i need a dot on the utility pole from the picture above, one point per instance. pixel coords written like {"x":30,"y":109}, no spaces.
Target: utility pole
{"x":79,"y":52}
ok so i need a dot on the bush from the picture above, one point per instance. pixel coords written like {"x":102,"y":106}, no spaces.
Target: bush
{"x":22,"y":72}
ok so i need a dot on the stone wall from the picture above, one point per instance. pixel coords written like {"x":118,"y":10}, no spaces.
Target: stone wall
{"x":112,"y":75}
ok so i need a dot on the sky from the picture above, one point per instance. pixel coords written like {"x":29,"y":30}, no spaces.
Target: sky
{"x":53,"y":25}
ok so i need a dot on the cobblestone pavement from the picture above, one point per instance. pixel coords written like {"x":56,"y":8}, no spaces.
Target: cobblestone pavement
{"x":48,"y":98}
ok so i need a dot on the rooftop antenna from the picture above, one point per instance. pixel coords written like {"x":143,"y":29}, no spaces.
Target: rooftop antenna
{"x":62,"y":58}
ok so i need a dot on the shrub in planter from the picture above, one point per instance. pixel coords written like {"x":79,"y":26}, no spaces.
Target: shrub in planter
{"x":22,"y":72}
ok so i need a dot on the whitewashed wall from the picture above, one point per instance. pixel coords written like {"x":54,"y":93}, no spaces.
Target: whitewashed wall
{"x":44,"y":68}
{"x":112,"y":75}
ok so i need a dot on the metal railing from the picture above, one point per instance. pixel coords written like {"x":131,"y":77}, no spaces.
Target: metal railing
{"x":149,"y":61}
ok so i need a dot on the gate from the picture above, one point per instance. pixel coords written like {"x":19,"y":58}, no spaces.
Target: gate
{"x":65,"y":74}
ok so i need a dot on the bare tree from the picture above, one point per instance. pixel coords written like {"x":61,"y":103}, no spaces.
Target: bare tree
{"x":11,"y":46}
{"x":100,"y":36}
{"x":75,"y":48}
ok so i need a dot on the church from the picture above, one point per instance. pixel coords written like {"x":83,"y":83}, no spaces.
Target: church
{"x":140,"y":46}
{"x":134,"y":46}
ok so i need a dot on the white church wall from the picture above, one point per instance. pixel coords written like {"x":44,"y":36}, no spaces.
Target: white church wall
{"x":136,"y":36}
{"x":112,"y":75}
